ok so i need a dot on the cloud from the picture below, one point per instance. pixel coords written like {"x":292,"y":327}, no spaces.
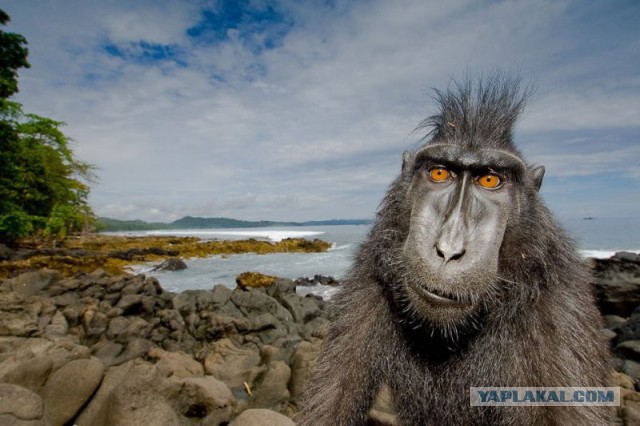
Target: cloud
{"x":301,"y":110}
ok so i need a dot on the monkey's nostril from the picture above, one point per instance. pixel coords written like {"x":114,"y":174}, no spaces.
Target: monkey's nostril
{"x":449,"y":255}
{"x":457,"y":255}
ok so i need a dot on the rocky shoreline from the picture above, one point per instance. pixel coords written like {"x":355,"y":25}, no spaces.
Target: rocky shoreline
{"x":116,"y":349}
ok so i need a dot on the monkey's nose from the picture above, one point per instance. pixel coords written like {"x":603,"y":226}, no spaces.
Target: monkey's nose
{"x":449,"y":253}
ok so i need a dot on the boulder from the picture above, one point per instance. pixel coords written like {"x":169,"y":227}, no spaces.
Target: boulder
{"x":30,"y":283}
{"x":18,"y":403}
{"x":203,"y":399}
{"x":95,"y":411}
{"x":135,"y":397}
{"x":629,"y":349}
{"x":175,"y":364}
{"x":254,"y":280}
{"x":262,"y":417}
{"x":171,"y":264}
{"x":139,"y":393}
{"x":270,"y":389}
{"x":303,"y":309}
{"x":303,"y":358}
{"x":69,"y":388}
{"x":232,"y":365}
{"x":617,"y":283}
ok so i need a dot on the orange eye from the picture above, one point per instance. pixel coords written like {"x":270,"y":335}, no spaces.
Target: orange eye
{"x":439,"y":174}
{"x":490,"y":181}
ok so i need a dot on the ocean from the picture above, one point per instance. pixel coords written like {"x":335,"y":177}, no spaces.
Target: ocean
{"x":599,"y":237}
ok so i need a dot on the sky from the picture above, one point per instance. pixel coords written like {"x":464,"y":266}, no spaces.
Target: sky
{"x":301,"y":109}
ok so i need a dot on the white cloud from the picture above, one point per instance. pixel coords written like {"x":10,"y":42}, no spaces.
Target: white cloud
{"x":315,"y":127}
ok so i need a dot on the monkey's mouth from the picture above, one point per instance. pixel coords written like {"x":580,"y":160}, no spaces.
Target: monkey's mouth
{"x":441,"y":299}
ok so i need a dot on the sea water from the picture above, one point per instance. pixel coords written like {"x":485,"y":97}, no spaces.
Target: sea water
{"x":599,"y":237}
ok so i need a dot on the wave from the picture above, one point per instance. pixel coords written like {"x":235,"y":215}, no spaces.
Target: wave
{"x":603,"y":254}
{"x":272,"y":235}
{"x":336,"y":247}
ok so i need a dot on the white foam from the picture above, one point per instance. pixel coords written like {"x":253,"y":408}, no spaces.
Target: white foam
{"x":326,"y":292}
{"x":602,"y":254}
{"x":272,"y":235}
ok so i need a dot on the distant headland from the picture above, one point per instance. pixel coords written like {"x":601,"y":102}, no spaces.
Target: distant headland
{"x":189,"y":222}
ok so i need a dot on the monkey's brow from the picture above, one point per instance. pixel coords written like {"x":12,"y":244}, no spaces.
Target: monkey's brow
{"x":461,"y":155}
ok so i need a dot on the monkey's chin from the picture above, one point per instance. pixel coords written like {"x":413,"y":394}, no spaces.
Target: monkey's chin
{"x":439,"y":308}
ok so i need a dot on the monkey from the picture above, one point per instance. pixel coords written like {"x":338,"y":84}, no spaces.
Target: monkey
{"x":465,"y":279}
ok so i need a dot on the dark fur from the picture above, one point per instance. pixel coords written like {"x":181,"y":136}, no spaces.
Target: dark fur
{"x":539,"y":327}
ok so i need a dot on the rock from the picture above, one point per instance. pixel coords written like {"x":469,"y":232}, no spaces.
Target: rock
{"x":28,"y":362}
{"x":58,"y":326}
{"x":614,"y":322}
{"x":137,"y":393}
{"x":629,"y":349}
{"x":69,"y":388}
{"x":617,"y":283}
{"x":95,"y":323}
{"x":254,"y":280}
{"x":303,"y":309}
{"x":303,"y":359}
{"x":112,"y":353}
{"x":630,"y":330}
{"x":26,"y":371}
{"x":123,"y":329}
{"x":253,"y":302}
{"x":131,"y":304}
{"x":262,"y":417}
{"x":171,"y":264}
{"x":136,"y":397}
{"x":270,"y":389}
{"x":95,"y":412}
{"x":232,"y":365}
{"x":317,"y":279}
{"x":19,"y":403}
{"x":632,"y":369}
{"x":220,"y":294}
{"x":622,"y":380}
{"x":631,"y":409}
{"x":175,"y":364}
{"x":30,"y":283}
{"x":202,"y":399}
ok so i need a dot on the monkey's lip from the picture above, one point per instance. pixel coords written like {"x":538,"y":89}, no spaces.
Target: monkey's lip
{"x":448,"y":301}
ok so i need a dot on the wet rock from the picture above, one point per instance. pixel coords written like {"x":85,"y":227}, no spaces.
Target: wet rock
{"x":171,"y":264}
{"x":617,"y":283}
{"x":629,"y":349}
{"x":254,"y":280}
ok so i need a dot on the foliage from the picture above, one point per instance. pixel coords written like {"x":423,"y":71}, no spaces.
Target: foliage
{"x":13,"y":55}
{"x":43,"y":187}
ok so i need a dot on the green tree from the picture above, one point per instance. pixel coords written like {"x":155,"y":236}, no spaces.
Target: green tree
{"x":43,"y":187}
{"x":13,"y":55}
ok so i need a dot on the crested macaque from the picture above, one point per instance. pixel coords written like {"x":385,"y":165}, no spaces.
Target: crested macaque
{"x":464,"y":280}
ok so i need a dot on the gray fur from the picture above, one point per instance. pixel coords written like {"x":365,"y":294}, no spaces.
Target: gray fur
{"x":536,"y":324}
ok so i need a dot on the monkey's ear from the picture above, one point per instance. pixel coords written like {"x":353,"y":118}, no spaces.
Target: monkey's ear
{"x":407,"y":161}
{"x":536,"y":177}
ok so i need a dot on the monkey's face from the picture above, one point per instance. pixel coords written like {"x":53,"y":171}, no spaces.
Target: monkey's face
{"x":460,"y":202}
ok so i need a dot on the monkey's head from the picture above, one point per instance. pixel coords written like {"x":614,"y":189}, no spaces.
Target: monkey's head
{"x":459,"y":193}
